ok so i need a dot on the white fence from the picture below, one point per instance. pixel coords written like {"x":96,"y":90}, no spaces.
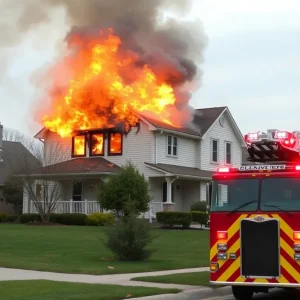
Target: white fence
{"x":88,"y":207}
{"x":61,"y":207}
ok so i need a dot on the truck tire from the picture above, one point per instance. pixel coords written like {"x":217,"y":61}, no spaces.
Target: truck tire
{"x":242,"y":292}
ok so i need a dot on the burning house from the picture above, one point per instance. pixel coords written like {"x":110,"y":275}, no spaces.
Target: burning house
{"x":121,"y":91}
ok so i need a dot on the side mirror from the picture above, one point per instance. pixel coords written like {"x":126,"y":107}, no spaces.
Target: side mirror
{"x":208,"y":195}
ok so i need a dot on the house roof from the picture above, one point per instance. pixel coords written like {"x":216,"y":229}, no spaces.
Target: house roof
{"x":13,"y":153}
{"x":202,"y":120}
{"x":79,"y":166}
{"x":181,"y":171}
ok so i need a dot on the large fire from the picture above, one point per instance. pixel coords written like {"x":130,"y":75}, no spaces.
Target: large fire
{"x":108,"y":85}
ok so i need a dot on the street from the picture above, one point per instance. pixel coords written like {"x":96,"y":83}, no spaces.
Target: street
{"x":274,"y":295}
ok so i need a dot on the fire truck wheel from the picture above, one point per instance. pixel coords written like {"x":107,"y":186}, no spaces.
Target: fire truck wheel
{"x":242,"y":292}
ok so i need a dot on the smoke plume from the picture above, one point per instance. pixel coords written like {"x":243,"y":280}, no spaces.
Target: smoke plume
{"x":173,"y":48}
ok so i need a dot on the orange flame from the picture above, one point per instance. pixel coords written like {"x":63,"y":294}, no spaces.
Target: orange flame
{"x":97,"y":144}
{"x":115,"y":143}
{"x":79,"y":145}
{"x":106,"y":82}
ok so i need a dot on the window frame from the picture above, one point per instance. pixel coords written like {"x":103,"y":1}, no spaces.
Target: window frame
{"x":90,"y":143}
{"x":225,"y":155}
{"x":212,"y":152}
{"x":73,"y":148}
{"x":173,"y":137}
{"x":108,"y":144}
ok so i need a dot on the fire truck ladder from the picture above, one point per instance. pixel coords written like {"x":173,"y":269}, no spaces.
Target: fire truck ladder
{"x":274,"y":146}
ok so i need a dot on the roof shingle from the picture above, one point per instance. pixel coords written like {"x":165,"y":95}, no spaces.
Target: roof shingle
{"x":180,"y":170}
{"x":82,"y":165}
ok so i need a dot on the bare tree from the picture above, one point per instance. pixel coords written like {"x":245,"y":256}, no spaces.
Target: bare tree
{"x":36,"y":170}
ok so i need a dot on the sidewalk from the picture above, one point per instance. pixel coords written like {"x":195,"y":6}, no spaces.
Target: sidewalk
{"x":118,"y":279}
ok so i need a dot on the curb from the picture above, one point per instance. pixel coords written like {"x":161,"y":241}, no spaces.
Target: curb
{"x":198,"y":294}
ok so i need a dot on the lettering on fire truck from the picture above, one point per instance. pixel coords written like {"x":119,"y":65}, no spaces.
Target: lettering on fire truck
{"x":262,"y":167}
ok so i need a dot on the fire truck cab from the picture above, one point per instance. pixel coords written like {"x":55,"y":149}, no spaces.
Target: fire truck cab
{"x":255,"y":217}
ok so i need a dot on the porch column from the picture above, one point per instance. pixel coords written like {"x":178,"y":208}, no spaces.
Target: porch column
{"x":169,"y":205}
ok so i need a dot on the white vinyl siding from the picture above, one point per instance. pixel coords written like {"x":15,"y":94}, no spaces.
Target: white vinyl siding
{"x":222,"y":134}
{"x":186,"y":151}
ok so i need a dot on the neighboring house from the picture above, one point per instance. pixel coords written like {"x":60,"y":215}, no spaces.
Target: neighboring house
{"x":177,"y":162}
{"x":10,"y":155}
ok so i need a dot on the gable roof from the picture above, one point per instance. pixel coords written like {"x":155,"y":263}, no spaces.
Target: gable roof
{"x":78,"y":166}
{"x":203,"y":119}
{"x":12,"y":153}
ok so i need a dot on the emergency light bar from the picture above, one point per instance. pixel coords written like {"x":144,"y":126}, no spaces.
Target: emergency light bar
{"x":275,"y":145}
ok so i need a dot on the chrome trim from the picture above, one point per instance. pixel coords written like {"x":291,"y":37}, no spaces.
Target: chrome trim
{"x":259,"y":219}
{"x":294,"y":285}
{"x":222,"y":256}
{"x":297,"y":257}
{"x":296,"y":247}
{"x":222,"y":247}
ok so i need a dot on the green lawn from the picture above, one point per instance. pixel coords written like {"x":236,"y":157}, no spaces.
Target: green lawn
{"x":80,"y":249}
{"x":197,"y":278}
{"x":50,"y":290}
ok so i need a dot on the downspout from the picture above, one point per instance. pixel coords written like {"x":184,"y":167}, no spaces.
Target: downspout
{"x":155,"y":157}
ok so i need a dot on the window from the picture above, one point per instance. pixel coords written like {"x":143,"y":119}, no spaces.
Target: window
{"x":78,"y":145}
{"x":279,"y":194}
{"x":228,"y":153}
{"x":77,"y":191}
{"x":172,"y":145}
{"x":214,"y":151}
{"x":115,"y":144}
{"x":97,"y":144}
{"x":229,"y":194}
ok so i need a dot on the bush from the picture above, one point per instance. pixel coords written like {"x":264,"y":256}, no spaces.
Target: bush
{"x":129,"y":239}
{"x":101,"y":219}
{"x":200,"y":217}
{"x":125,"y":193}
{"x":11,"y":218}
{"x":170,"y":218}
{"x":27,"y":218}
{"x":3,"y":217}
{"x":199,"y":206}
{"x":71,"y":219}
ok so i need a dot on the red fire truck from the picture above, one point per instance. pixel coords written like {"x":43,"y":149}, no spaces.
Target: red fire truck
{"x":255,"y":217}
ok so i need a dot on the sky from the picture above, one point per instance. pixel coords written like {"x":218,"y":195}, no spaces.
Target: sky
{"x":251,"y":64}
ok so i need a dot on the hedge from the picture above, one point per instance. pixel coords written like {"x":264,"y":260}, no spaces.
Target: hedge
{"x":95,"y":219}
{"x":101,"y":219}
{"x":7,"y":218}
{"x":171,"y":218}
{"x":199,"y":206}
{"x":200,"y":217}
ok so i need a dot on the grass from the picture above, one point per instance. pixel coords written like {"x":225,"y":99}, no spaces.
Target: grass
{"x":196,"y":278}
{"x":80,"y":249}
{"x":51,"y":290}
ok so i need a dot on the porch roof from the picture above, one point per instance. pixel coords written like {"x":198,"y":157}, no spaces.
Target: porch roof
{"x":78,"y":166}
{"x":175,"y":170}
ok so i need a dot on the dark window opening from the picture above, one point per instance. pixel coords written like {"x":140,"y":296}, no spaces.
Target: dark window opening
{"x":77,"y":191}
{"x":172,"y":145}
{"x":215,"y":151}
{"x":228,"y":153}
